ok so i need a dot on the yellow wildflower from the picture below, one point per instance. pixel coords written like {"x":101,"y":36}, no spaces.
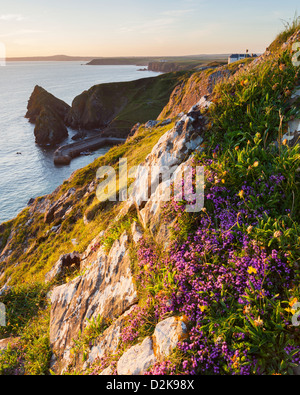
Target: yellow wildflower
{"x":293,"y":302}
{"x":245,"y":82}
{"x":235,"y":359}
{"x":252,"y":270}
{"x":241,"y":194}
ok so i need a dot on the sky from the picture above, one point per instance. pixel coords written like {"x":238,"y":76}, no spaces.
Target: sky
{"x":102,"y":28}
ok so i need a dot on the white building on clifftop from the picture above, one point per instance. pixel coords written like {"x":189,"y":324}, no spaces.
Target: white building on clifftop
{"x":239,"y":56}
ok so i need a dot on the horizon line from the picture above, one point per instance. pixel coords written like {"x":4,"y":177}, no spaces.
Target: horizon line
{"x":12,"y":58}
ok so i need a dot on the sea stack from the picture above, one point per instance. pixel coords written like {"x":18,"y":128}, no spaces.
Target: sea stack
{"x":48,"y":114}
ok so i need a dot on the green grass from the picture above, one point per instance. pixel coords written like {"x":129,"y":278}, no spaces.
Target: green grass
{"x":43,"y":250}
{"x":27,"y":319}
{"x":257,"y":101}
{"x":123,"y":104}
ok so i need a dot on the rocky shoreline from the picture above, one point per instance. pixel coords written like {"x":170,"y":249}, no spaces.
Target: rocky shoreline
{"x":64,"y":154}
{"x":111,"y":109}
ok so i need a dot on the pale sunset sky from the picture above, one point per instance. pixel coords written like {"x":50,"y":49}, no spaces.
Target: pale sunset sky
{"x":140,"y":27}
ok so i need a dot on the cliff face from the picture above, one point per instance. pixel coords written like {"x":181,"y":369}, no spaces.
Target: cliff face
{"x":116,"y":107}
{"x":97,"y":107}
{"x":48,"y":114}
{"x":148,"y":284}
{"x":191,"y":90}
{"x":112,"y":108}
{"x":163,"y":67}
{"x":40,"y":99}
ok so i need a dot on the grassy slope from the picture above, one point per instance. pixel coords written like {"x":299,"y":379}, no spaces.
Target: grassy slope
{"x":27,"y":311}
{"x":118,"y":106}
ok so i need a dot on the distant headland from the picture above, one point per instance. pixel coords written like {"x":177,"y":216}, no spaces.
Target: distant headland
{"x":54,"y":58}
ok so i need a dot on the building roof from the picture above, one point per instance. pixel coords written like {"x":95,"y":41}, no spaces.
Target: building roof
{"x":238,"y":55}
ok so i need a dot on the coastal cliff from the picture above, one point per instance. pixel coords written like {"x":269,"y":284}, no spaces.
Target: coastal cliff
{"x":163,"y":67}
{"x":149,"y":284}
{"x":112,"y":108}
{"x":115,"y":108}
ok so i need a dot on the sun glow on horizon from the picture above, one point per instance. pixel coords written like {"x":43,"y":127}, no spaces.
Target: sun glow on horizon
{"x":140,"y":28}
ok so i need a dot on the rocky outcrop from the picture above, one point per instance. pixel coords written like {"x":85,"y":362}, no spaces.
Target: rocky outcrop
{"x":56,"y":211}
{"x":65,"y":262}
{"x":152,"y":187}
{"x":48,"y":114}
{"x":106,"y":289}
{"x":109,"y":341}
{"x":166,"y":336}
{"x":10,"y":341}
{"x":49,"y":129}
{"x":139,"y":358}
{"x":189,"y":92}
{"x":92,"y":109}
{"x":292,"y":136}
{"x":41,"y":99}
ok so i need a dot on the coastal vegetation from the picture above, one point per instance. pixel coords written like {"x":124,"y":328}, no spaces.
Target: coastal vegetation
{"x":230,"y":272}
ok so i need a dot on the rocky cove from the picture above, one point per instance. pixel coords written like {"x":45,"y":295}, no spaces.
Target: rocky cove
{"x":142,"y":286}
{"x":110,"y":109}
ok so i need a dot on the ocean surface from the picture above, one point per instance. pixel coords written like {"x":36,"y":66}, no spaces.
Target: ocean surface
{"x":32,"y":173}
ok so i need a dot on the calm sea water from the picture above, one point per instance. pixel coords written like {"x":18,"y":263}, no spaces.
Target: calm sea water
{"x":33,"y":173}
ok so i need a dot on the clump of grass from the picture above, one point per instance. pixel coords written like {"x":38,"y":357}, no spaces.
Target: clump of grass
{"x":256,"y":101}
{"x":290,"y":27}
{"x":27,"y":320}
{"x":86,"y":339}
{"x":22,"y":303}
{"x":116,"y":230}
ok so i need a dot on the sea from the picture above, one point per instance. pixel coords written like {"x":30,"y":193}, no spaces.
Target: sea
{"x":26,"y":170}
